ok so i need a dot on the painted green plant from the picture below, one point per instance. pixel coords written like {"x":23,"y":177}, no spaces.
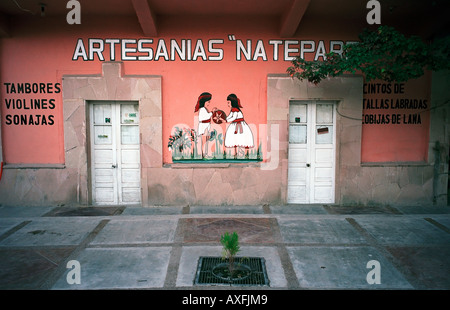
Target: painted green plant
{"x":218,"y":141}
{"x":182,"y":140}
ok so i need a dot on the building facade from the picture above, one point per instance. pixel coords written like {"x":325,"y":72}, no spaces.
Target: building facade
{"x":166,"y":103}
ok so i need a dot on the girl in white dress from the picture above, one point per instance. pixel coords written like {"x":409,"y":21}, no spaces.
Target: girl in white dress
{"x":204,"y":119}
{"x":238,"y":134}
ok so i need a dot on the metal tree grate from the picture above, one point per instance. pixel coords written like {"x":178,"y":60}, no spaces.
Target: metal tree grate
{"x":258,"y":276}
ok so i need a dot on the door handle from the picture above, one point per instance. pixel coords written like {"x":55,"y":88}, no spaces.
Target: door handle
{"x":308,"y":165}
{"x":114,"y":166}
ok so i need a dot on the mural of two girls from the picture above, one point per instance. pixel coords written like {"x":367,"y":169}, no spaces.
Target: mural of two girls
{"x":238,"y":135}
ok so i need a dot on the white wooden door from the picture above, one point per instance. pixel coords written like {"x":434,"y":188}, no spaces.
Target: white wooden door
{"x":115,"y":156}
{"x":312,"y":140}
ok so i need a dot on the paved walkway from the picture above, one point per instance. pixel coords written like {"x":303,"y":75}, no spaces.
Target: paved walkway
{"x":304,"y":246}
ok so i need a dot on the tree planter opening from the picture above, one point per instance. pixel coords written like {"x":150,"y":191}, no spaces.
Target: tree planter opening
{"x":230,"y":269}
{"x":240,"y":272}
{"x":249,"y":271}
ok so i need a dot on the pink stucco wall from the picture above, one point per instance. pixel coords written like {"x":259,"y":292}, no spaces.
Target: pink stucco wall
{"x":40,"y":50}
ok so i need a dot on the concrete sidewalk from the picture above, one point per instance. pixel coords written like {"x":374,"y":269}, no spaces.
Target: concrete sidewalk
{"x":304,"y":246}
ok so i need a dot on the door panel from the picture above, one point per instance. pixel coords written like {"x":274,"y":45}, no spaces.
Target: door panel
{"x":322,"y":194}
{"x":104,"y":176}
{"x":131,"y":195}
{"x":297,"y":155}
{"x":298,"y":174}
{"x":130,"y":157}
{"x":130,"y":175}
{"x":103,"y":157}
{"x":323,"y":155}
{"x":324,"y":134}
{"x":102,"y":135}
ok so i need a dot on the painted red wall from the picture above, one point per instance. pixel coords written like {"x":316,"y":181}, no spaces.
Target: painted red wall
{"x":403,"y":137}
{"x":41,"y":49}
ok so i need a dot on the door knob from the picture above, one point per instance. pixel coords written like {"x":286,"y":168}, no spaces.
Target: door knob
{"x":308,"y":165}
{"x":114,"y":166}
